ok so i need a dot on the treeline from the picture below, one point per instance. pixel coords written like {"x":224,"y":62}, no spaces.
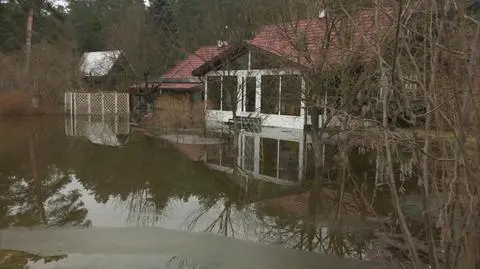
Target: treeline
{"x":153,"y":37}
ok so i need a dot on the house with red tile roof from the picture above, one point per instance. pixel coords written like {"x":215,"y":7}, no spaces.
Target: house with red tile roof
{"x":263,"y":78}
{"x":176,"y":97}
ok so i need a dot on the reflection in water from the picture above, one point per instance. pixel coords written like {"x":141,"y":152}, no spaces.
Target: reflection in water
{"x":32,"y":190}
{"x":105,"y":129}
{"x":49,"y":179}
{"x":20,"y":260}
{"x":270,"y":156}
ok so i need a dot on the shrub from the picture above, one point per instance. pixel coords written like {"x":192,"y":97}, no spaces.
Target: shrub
{"x":15,"y":103}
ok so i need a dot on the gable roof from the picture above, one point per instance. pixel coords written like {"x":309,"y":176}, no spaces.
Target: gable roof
{"x":98,"y":63}
{"x":310,"y":43}
{"x":180,"y":77}
{"x":313,"y":42}
{"x":184,"y":69}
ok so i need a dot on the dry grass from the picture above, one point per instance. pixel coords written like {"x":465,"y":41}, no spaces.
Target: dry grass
{"x":15,"y":103}
{"x":53,"y":70}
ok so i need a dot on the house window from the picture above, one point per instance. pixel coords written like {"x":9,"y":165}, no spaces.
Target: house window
{"x":250,"y":86}
{"x":270,"y":94}
{"x":221,"y":92}
{"x":290,"y":95}
{"x":279,"y":158}
{"x":288,"y":160}
{"x":281,"y":95}
{"x":229,"y":92}
{"x":214,"y":93}
{"x":268,"y":158}
{"x":249,"y":154}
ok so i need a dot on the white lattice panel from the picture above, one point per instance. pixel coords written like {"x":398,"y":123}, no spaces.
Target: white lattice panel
{"x":123,"y":126}
{"x":80,"y":126}
{"x":81,"y":103}
{"x":97,"y":103}
{"x":109,"y":102}
{"x":123,"y":104}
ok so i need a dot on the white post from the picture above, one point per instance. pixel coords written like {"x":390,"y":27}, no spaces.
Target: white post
{"x":279,"y":95}
{"x":249,"y":59}
{"x":73,"y":118}
{"x":74,"y":103}
{"x":116,"y":123}
{"x":127,"y":96}
{"x":301,"y":157}
{"x":324,"y":118}
{"x":258,"y":94}
{"x":65,"y":102}
{"x":256,"y":168}
{"x":303,"y":107}
{"x":278,"y":158}
{"x":103,"y":104}
{"x":116,"y":103}
{"x":205,"y":98}
{"x":89,"y":103}
{"x":221,"y":93}
{"x":103,"y":107}
{"x":239,"y":154}
{"x":243,"y":150}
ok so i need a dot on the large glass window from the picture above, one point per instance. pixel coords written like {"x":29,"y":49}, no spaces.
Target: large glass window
{"x":290,"y":101}
{"x":284,"y":99}
{"x":250,"y":86}
{"x":270,"y":94}
{"x":229,"y":92}
{"x":268,"y":157}
{"x":288,"y":160}
{"x":279,"y":158}
{"x":214,"y":93}
{"x":249,"y":153}
{"x":221,"y":92}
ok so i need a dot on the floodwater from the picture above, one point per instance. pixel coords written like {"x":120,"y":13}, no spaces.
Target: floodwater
{"x":96,"y":195}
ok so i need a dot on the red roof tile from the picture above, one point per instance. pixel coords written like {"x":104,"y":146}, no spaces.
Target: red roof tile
{"x":196,"y":59}
{"x":283,"y":39}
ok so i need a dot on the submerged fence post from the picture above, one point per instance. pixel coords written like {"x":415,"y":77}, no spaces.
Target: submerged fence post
{"x":103,"y":107}
{"x":116,"y":103}
{"x":89,"y":103}
{"x":74,"y":102}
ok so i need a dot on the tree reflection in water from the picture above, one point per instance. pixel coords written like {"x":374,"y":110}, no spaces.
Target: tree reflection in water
{"x":32,"y":192}
{"x":19,"y":260}
{"x":330,"y":212}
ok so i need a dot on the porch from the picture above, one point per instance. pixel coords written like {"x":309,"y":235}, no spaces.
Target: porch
{"x":276,"y":98}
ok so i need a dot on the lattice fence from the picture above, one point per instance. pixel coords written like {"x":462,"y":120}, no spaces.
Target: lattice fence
{"x":78,"y":125}
{"x":97,"y":103}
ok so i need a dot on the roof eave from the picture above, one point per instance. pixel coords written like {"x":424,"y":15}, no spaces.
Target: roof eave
{"x":214,"y":62}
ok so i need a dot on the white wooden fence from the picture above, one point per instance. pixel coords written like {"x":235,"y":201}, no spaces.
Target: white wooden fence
{"x":79,"y":125}
{"x":79,"y":103}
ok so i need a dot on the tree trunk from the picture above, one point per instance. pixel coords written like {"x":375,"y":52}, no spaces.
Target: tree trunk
{"x":28,"y":42}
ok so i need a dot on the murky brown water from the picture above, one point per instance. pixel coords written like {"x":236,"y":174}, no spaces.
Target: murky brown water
{"x":54,"y":173}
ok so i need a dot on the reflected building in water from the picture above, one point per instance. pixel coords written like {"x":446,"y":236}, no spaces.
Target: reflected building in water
{"x":271,"y":155}
{"x":108,"y":130}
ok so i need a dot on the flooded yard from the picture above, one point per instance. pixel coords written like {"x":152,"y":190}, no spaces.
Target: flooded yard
{"x":116,"y":183}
